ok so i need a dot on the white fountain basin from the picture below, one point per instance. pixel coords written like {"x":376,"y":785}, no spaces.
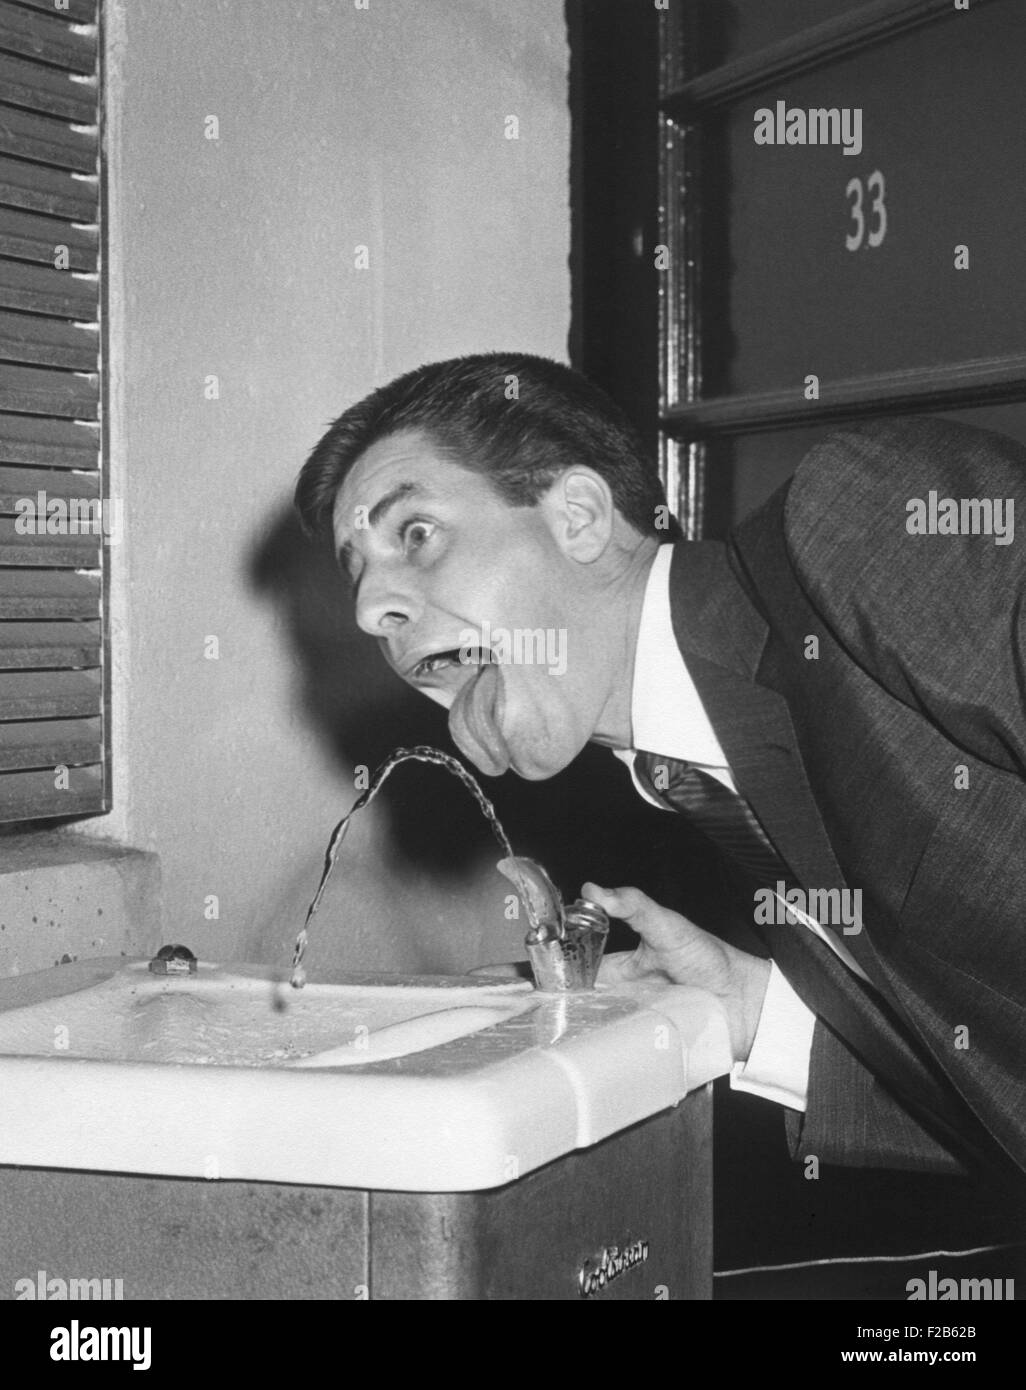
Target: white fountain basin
{"x":424,"y":1084}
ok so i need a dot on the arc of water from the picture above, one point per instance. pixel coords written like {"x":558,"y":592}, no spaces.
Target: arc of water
{"x":423,"y":753}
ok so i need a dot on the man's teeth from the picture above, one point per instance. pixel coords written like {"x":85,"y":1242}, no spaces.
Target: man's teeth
{"x":462,"y":656}
{"x":433,"y":663}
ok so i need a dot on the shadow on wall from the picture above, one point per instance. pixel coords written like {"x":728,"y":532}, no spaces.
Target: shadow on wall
{"x":587,"y":822}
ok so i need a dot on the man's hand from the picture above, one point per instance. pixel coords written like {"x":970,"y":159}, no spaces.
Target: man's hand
{"x":675,"y":948}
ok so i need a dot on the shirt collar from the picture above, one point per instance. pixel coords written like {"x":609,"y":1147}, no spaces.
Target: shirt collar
{"x":667,"y":715}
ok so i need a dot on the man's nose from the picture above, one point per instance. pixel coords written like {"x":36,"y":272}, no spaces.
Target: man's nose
{"x":385,"y":602}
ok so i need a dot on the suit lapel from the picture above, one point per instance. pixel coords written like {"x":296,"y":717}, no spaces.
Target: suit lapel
{"x":722,"y":638}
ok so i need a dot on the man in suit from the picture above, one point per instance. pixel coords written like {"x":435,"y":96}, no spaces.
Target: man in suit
{"x":834,"y":698}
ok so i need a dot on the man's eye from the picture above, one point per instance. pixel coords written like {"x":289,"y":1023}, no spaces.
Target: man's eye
{"x":414,"y":534}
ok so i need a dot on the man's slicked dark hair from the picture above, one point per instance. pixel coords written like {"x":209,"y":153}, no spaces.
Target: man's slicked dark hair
{"x":518,"y":420}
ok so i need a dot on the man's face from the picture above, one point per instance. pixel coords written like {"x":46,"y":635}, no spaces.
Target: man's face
{"x":441,"y":564}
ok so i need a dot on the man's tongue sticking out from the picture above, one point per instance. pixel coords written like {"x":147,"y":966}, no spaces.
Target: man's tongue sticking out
{"x":474,"y":721}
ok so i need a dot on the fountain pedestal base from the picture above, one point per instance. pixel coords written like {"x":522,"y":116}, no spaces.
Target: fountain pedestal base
{"x":628,"y":1218}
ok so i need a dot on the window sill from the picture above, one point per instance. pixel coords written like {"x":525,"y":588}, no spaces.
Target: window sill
{"x":65,"y":897}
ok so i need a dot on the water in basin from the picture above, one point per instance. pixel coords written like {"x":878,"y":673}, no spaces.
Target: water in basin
{"x":419,"y":1084}
{"x":223,"y":1019}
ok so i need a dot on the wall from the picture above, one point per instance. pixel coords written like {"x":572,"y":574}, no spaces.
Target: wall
{"x":234,"y":258}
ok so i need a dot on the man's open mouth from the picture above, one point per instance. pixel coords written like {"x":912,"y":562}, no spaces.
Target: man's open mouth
{"x":457,"y":657}
{"x":475,"y":688}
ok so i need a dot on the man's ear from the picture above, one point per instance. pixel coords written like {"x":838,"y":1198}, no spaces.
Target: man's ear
{"x":580,"y":513}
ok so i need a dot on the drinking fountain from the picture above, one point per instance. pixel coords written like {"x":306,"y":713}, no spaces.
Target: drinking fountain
{"x":209,"y":1130}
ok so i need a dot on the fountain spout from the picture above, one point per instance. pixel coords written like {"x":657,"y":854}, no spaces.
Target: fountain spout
{"x":564,"y":944}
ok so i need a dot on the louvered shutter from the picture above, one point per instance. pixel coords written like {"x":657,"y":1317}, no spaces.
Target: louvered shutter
{"x":52,"y":632}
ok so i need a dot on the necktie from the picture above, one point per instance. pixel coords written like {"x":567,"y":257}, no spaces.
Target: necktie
{"x":724,"y":816}
{"x":851,"y":1008}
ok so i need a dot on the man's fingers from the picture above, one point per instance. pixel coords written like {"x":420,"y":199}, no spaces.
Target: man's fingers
{"x":658,"y":927}
{"x":618,"y":902}
{"x":670,"y":945}
{"x":618,"y":967}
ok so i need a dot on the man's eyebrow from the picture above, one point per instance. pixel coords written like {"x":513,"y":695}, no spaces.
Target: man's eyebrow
{"x":381,"y":506}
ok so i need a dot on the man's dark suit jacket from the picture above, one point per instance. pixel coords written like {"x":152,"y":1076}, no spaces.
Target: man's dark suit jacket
{"x":891,"y":760}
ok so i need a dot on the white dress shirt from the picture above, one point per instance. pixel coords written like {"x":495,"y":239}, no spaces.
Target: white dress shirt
{"x":667,"y":717}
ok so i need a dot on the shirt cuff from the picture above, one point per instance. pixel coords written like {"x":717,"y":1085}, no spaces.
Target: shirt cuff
{"x":778,"y":1064}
